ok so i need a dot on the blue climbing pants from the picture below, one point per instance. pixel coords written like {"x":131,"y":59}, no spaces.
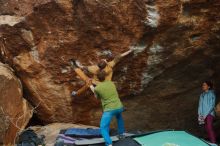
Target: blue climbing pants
{"x":105,"y":124}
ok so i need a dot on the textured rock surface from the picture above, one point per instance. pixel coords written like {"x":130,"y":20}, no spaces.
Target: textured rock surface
{"x":176,"y":45}
{"x":15,"y":112}
{"x":217,"y":111}
{"x":52,"y":130}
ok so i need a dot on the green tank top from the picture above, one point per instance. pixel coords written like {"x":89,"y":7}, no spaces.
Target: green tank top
{"x":108,"y":94}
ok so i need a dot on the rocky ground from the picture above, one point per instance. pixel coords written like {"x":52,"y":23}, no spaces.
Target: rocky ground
{"x":176,"y":47}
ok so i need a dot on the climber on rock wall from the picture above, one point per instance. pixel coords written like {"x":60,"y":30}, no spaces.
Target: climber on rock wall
{"x":81,"y":71}
{"x":112,"y":107}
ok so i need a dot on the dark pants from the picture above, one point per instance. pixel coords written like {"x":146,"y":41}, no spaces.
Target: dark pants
{"x":209,"y":128}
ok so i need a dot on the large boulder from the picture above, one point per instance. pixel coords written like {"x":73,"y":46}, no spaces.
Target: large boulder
{"x":15,"y":112}
{"x":175,"y":42}
{"x":40,"y":45}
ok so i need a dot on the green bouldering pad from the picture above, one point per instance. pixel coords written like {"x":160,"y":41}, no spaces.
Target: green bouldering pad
{"x":170,"y":138}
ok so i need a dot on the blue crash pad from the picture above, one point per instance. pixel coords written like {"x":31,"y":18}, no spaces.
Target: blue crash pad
{"x":80,"y":132}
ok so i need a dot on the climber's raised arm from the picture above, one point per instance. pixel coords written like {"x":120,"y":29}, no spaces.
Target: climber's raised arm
{"x":118,"y":58}
{"x":126,"y":53}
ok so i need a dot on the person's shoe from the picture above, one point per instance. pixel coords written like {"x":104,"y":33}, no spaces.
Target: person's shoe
{"x":121,"y":136}
{"x":74,"y":93}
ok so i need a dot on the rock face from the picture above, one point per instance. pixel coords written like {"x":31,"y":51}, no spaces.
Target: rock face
{"x":175,"y":42}
{"x":15,"y":112}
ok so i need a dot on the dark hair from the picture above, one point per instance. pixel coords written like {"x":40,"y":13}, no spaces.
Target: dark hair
{"x":109,"y":57}
{"x":101,"y":75}
{"x":210,"y":84}
{"x":102,"y":64}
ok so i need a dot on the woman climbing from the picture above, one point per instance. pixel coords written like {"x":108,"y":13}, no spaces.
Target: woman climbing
{"x":94,"y":69}
{"x":206,"y":108}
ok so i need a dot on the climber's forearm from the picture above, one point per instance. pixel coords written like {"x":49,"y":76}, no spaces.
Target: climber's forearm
{"x":126,"y":53}
{"x":118,"y":57}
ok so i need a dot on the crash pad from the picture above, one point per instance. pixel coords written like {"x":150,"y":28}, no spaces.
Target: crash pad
{"x":170,"y":138}
{"x":98,"y":140}
{"x":122,"y":142}
{"x":66,"y":139}
{"x":126,"y":142}
{"x":83,"y":133}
